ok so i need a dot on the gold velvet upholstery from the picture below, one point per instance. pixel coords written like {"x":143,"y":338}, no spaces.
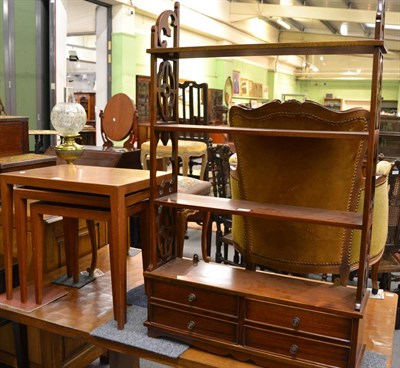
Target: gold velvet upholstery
{"x":308,"y":172}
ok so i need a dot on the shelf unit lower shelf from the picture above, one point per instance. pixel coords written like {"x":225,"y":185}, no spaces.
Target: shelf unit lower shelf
{"x":265,"y":210}
{"x":270,"y":319}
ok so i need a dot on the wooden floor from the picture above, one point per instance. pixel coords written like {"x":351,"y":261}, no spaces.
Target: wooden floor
{"x":82,"y":310}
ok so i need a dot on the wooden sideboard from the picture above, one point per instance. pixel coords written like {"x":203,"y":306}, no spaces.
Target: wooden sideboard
{"x":14,"y":138}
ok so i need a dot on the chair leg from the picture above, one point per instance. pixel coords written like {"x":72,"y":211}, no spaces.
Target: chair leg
{"x":205,"y":236}
{"x":182,"y":215}
{"x":374,"y":278}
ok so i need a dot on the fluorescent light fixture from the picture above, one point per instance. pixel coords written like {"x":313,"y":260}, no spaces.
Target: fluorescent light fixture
{"x":282,"y":23}
{"x":395,"y":27}
{"x":344,"y":28}
{"x":349,"y":72}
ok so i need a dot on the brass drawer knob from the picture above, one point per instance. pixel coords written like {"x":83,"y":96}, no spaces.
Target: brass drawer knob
{"x":296,"y":322}
{"x":294,"y":349}
{"x":191,"y":325}
{"x":191,"y":298}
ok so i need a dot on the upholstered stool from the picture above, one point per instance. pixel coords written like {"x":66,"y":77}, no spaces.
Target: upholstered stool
{"x":186,"y":149}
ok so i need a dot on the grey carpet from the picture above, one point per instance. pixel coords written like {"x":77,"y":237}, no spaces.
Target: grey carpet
{"x":137,"y":296}
{"x":135,"y":333}
{"x":373,"y":360}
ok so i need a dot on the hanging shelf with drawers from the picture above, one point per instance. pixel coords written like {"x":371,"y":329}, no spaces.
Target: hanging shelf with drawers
{"x":271,"y":319}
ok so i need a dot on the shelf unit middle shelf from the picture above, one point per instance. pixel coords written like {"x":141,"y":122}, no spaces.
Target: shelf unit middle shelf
{"x":321,"y":216}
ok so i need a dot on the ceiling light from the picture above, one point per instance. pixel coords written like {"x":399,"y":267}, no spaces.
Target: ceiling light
{"x":349,"y":72}
{"x":395,"y":27}
{"x":73,"y":56}
{"x":282,"y":23}
{"x":344,"y":28}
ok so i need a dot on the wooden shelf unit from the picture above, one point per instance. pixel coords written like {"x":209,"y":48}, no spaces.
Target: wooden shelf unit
{"x":225,"y":310}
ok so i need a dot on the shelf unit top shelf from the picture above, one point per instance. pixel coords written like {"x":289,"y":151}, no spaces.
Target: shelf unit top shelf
{"x":285,"y":48}
{"x":257,"y":131}
{"x":351,"y":220}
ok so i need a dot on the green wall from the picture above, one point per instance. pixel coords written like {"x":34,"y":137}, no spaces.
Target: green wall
{"x":283,"y":84}
{"x":2,"y":85}
{"x":347,"y":89}
{"x":25,"y":60}
{"x":123,"y":64}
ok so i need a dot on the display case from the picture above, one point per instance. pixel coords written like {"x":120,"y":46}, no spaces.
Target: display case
{"x":389,"y":137}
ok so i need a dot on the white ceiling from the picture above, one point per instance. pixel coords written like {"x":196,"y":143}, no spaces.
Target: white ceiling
{"x":308,"y":19}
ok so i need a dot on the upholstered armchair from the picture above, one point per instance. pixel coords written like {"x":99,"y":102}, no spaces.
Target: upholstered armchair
{"x":307,"y":172}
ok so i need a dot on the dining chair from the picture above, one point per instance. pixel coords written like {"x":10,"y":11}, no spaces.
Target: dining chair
{"x":193,"y":110}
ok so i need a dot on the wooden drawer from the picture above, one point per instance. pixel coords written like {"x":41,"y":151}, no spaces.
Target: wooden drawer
{"x":302,"y":320}
{"x":196,"y":297}
{"x":297,"y":348}
{"x":194,"y":324}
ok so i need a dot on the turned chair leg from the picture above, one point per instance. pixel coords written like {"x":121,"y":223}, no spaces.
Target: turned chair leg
{"x":374,"y":277}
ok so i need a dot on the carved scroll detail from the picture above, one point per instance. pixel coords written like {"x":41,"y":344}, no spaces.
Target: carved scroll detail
{"x":167,"y":25}
{"x":165,"y":226}
{"x":166,"y":90}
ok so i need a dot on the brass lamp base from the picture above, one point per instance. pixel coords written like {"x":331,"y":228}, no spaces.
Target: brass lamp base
{"x":69,"y":150}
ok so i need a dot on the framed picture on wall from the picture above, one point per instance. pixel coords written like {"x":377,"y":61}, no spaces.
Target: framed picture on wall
{"x":244,"y":87}
{"x":215,"y":99}
{"x":143,"y":98}
{"x":236,"y":82}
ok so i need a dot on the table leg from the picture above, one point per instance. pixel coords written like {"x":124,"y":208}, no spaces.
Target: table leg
{"x":37,"y":230}
{"x":118,"y":254}
{"x":118,"y":360}
{"x":71,"y":244}
{"x":22,"y":244}
{"x":7,"y":214}
{"x":93,"y":243}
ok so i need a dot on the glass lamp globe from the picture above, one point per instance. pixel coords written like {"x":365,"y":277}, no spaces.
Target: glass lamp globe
{"x":68,"y":119}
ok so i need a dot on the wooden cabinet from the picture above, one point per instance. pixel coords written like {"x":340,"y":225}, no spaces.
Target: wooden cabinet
{"x":333,"y":103}
{"x":273,"y":320}
{"x":88,"y":101}
{"x":14,"y":138}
